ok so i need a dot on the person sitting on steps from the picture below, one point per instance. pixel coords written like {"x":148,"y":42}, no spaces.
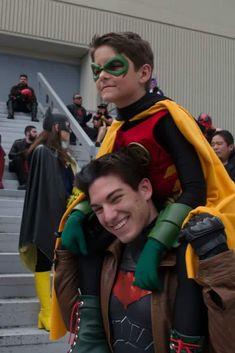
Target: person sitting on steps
{"x":22,"y":98}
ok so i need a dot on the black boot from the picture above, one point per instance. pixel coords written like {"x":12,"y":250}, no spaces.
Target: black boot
{"x":89,"y":334}
{"x":186,"y":344}
{"x":34,"y":111}
{"x":10,"y":109}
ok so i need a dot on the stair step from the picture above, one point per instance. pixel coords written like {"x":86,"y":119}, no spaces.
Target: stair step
{"x":10,"y":224}
{"x":9,"y":242}
{"x":12,"y":193}
{"x":15,"y":209}
{"x":30,"y":339}
{"x":17,"y":115}
{"x":10,"y":202}
{"x":10,"y":183}
{"x":11,"y":263}
{"x":18,"y":312}
{"x":17,"y":285}
{"x":18,"y":123}
{"x":8,"y":175}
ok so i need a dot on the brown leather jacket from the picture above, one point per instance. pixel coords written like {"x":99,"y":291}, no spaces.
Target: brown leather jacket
{"x":218,"y":292}
{"x":216,"y":274}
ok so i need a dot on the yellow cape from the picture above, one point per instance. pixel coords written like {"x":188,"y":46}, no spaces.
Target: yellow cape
{"x":220,"y":188}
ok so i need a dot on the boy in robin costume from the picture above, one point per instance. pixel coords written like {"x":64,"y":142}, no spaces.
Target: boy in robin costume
{"x":187,"y":177}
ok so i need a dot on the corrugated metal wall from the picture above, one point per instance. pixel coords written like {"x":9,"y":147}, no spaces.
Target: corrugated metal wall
{"x":196,"y":69}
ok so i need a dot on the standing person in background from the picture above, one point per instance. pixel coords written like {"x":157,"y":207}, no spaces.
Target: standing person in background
{"x":22,"y":99}
{"x":50,"y":183}
{"x":101,"y":121}
{"x":205,"y":123}
{"x":223,"y":144}
{"x":154,"y":87}
{"x":18,"y":156}
{"x":82,"y":117}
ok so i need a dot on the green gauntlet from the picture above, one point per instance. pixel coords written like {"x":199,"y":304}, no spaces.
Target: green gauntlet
{"x":162,"y":237}
{"x":72,"y":237}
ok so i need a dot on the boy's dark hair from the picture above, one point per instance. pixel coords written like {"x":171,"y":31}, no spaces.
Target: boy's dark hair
{"x":125,"y":164}
{"x":226,"y":135}
{"x":28,"y":128}
{"x":131,"y":44}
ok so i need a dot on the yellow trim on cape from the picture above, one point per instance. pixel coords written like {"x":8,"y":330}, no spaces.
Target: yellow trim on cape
{"x":220,"y":188}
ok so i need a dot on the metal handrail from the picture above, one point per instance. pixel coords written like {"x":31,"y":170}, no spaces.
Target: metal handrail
{"x":53,"y":100}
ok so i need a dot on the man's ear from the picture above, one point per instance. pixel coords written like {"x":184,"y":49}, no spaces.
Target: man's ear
{"x":145,"y":187}
{"x":145,"y":73}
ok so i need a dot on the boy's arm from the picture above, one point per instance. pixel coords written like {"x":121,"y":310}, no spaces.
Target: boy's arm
{"x":162,"y":237}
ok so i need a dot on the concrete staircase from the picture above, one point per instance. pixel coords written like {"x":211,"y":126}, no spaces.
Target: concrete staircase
{"x":18,"y":303}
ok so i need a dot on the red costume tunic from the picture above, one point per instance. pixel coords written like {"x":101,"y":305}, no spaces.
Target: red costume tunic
{"x":162,"y":171}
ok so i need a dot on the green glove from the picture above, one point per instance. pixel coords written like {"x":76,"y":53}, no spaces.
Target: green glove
{"x":72,"y":237}
{"x":146,"y":274}
{"x":162,"y":237}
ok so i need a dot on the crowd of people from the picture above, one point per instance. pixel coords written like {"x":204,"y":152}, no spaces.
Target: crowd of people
{"x":145,"y":240}
{"x":101,"y":120}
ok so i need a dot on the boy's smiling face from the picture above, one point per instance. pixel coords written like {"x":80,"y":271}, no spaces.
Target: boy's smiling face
{"x":121,"y":90}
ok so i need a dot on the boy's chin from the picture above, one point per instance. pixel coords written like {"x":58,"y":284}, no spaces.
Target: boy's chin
{"x":107,"y":98}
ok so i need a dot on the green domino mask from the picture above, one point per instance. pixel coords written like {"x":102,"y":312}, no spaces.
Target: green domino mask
{"x":116,"y":66}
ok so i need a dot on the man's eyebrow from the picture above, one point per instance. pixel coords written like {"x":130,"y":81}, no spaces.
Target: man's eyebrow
{"x":108,"y":197}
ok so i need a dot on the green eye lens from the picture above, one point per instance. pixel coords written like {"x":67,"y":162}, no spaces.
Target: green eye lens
{"x":117,"y":66}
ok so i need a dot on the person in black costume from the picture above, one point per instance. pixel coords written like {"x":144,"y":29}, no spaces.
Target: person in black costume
{"x":18,"y":156}
{"x":82,"y":117}
{"x":205,"y":123}
{"x":22,"y":98}
{"x":223,"y":144}
{"x":50,"y":184}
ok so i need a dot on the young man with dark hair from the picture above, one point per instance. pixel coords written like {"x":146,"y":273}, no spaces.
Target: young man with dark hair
{"x":22,"y":98}
{"x":223,"y":144}
{"x":137,"y":320}
{"x":18,"y":156}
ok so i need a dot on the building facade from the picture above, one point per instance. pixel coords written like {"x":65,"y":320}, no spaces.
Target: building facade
{"x":193,"y":43}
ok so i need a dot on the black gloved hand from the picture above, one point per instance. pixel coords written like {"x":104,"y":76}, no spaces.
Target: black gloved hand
{"x":206,"y":234}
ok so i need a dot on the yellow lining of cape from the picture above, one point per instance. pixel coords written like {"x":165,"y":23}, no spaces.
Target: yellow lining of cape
{"x":220,"y":188}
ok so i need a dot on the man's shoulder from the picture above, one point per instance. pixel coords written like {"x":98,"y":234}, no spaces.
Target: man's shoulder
{"x":72,"y":105}
{"x":31,"y":88}
{"x":15,"y":87}
{"x":22,"y":140}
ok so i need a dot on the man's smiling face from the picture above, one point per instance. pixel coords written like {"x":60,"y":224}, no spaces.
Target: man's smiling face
{"x":121,"y":210}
